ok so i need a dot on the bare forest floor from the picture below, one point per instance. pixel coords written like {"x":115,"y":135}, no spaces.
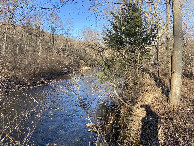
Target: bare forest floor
{"x":154,"y":121}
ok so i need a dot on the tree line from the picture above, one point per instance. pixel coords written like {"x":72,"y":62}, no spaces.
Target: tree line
{"x":31,"y":45}
{"x":138,"y":37}
{"x":137,"y":28}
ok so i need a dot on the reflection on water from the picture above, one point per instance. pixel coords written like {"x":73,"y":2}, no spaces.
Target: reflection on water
{"x":52,"y":114}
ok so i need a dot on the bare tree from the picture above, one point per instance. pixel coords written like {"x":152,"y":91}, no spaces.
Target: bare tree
{"x":176,"y":80}
{"x":168,"y":34}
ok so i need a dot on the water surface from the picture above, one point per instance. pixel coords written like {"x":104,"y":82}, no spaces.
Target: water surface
{"x":52,"y":114}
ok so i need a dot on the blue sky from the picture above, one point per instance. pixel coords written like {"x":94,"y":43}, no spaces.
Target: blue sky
{"x":79,"y":16}
{"x":76,"y":16}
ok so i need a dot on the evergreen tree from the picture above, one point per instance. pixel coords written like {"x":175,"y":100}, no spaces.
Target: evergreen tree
{"x":127,"y":37}
{"x":128,"y":29}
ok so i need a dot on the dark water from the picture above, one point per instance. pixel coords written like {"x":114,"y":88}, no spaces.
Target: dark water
{"x":52,"y":114}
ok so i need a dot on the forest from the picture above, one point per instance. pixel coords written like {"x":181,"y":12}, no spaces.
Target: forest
{"x":144,"y":53}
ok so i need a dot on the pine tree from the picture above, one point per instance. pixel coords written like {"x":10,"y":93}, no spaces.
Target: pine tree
{"x":128,"y":36}
{"x":128,"y":29}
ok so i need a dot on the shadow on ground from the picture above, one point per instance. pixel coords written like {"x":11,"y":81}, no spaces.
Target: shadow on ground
{"x":159,"y":83}
{"x":149,"y":129}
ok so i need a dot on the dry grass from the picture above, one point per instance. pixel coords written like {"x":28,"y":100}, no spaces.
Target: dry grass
{"x":174,"y":125}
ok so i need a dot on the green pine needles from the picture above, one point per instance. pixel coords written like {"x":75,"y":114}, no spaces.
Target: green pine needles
{"x":128,"y":28}
{"x":127,"y":37}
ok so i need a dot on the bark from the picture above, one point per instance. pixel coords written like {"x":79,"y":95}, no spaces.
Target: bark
{"x":168,"y":37}
{"x":157,"y":59}
{"x":176,"y":80}
{"x":39,"y":44}
{"x":5,"y":40}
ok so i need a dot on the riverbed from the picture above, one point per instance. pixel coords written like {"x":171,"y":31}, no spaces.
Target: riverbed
{"x":51,"y":114}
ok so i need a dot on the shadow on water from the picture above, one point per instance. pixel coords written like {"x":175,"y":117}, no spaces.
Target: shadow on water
{"x":149,"y":129}
{"x":109,"y":114}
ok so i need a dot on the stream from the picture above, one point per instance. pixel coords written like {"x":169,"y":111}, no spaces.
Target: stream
{"x":53,"y":114}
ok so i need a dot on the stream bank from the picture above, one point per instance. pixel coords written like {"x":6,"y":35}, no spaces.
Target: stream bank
{"x":19,"y":82}
{"x":55,"y":113}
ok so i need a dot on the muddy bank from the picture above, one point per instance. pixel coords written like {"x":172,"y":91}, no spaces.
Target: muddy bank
{"x":149,"y":119}
{"x":20,"y":82}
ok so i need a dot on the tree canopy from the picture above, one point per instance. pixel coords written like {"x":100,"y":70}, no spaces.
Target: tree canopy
{"x":128,"y":28}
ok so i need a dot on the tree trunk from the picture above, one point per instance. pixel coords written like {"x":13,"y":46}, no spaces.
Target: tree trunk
{"x":176,"y":80}
{"x":5,"y":40}
{"x":157,"y":59}
{"x":168,"y":38}
{"x":40,"y":45}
